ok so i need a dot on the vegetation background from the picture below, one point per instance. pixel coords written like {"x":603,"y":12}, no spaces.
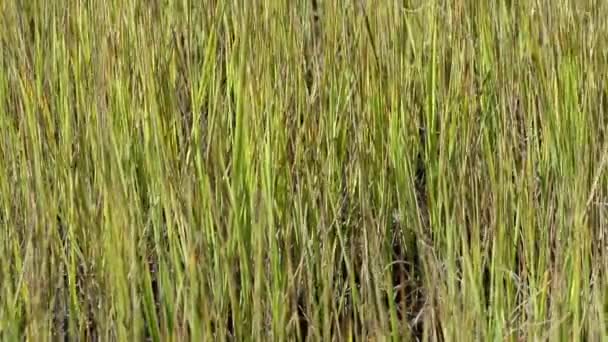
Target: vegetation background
{"x":321,"y":170}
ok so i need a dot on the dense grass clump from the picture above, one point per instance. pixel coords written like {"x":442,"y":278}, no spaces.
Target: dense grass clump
{"x":304,"y":170}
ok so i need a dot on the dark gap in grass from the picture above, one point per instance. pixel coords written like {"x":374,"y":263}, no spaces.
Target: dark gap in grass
{"x":61,"y":311}
{"x":315,"y":11}
{"x":420,"y":180}
{"x":221,"y":324}
{"x":349,"y":220}
{"x":292,"y":127}
{"x":87,"y":297}
{"x":414,"y":270}
{"x":486,"y":280}
{"x":148,"y":253}
{"x":406,"y":271}
{"x":188,"y":56}
{"x":91,"y":329}
{"x":316,"y":24}
{"x":152,"y":259}
{"x":85,"y":291}
{"x":299,"y":294}
{"x":153,"y":270}
{"x":301,"y":312}
{"x":313,"y":49}
{"x":305,"y":295}
{"x":520,"y":271}
{"x":229,"y":101}
{"x":229,"y":325}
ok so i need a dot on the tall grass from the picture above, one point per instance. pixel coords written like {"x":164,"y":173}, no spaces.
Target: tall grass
{"x":291,"y":170}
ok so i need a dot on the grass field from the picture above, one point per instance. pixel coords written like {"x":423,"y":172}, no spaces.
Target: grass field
{"x":277,"y":170}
